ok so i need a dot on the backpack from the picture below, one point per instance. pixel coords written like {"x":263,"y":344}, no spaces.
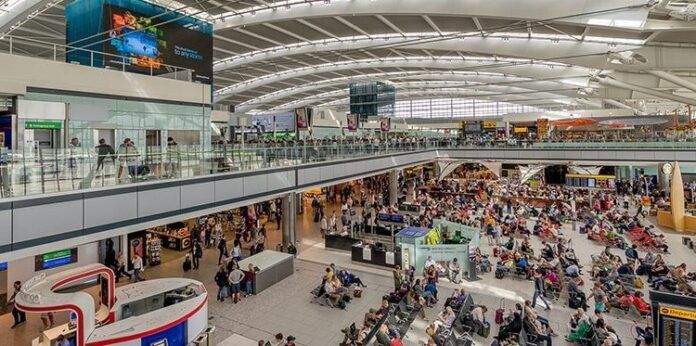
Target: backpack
{"x":341,"y":304}
{"x":638,"y":283}
{"x":499,"y":273}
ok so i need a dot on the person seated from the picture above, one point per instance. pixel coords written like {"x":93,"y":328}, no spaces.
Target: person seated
{"x":338,"y":286}
{"x":478,"y":315}
{"x":551,"y":280}
{"x":445,"y":318}
{"x":572,"y":271}
{"x":626,"y":269}
{"x":659,"y":268}
{"x":632,"y":252}
{"x":454,"y":270}
{"x":382,"y":336}
{"x":374,"y":315}
{"x":640,"y":304}
{"x":522,"y":266}
{"x":457,"y":299}
{"x":349,"y":279}
{"x":509,"y":244}
{"x":511,"y":328}
{"x":604,"y":332}
{"x":660,"y":243}
{"x":535,"y":330}
{"x":419,"y":290}
{"x":333,"y":295}
{"x":577,"y":318}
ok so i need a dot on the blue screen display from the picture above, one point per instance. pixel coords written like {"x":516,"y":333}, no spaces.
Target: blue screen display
{"x":136,"y":43}
{"x":174,"y":336}
{"x":3,"y":266}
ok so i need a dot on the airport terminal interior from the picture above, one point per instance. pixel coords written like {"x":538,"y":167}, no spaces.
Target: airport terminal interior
{"x":348,"y":172}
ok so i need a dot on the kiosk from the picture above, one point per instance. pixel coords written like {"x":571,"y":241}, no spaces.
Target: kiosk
{"x":171,"y":311}
{"x":270,"y":268}
{"x":444,"y":242}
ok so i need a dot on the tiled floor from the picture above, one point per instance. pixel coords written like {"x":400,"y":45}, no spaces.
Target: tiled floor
{"x":286,"y":307}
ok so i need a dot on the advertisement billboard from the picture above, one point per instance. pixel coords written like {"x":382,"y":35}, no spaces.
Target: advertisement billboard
{"x":352,"y":120}
{"x":147,"y":44}
{"x":302,"y":118}
{"x":384,"y":124}
{"x":284,"y":122}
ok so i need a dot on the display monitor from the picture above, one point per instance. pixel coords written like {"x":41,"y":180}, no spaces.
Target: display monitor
{"x":55,"y":259}
{"x":149,"y":44}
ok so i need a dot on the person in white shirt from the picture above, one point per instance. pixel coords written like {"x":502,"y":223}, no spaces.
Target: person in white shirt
{"x":429,"y":262}
{"x":137,"y":267}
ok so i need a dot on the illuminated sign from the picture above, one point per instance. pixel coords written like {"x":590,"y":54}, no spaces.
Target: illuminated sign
{"x":679,"y":313}
{"x":490,"y":124}
{"x":55,"y":259}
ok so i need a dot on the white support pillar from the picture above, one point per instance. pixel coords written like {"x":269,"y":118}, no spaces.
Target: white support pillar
{"x":393,"y":187}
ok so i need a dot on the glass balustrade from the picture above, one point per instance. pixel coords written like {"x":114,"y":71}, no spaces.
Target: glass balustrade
{"x":41,"y":171}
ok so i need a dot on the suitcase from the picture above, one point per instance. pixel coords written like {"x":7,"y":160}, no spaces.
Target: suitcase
{"x":500,"y":312}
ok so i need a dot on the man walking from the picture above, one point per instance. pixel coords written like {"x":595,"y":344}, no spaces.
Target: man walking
{"x":137,"y":267}
{"x":103,"y":151}
{"x":18,"y":315}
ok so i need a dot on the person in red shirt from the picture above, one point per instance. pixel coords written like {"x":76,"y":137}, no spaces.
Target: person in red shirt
{"x":640,"y":304}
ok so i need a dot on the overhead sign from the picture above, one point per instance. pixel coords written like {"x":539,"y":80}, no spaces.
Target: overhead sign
{"x":490,"y":124}
{"x":52,"y":125}
{"x":679,"y":313}
{"x":55,"y":259}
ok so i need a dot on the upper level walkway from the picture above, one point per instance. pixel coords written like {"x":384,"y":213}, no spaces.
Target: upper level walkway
{"x":56,"y":201}
{"x":45,"y":171}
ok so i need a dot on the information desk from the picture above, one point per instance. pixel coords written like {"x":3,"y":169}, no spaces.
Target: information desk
{"x":339,"y":242}
{"x":370,"y":255}
{"x":271,"y":268}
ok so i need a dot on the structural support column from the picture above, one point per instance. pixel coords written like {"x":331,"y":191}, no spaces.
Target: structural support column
{"x":288,"y":210}
{"x":393,"y":187}
{"x":662,"y":180}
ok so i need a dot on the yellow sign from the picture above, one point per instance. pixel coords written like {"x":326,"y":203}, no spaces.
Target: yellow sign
{"x":520,"y":129}
{"x":679,"y":313}
{"x":490,"y":124}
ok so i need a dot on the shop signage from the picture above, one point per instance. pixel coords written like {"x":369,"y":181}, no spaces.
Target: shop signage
{"x":55,"y":259}
{"x":490,"y":124}
{"x":520,"y":130}
{"x":53,"y":125}
{"x":679,"y":313}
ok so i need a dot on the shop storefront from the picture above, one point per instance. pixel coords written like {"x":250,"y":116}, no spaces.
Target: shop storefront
{"x":47,"y":120}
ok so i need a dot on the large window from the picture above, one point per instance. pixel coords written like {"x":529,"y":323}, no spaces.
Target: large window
{"x":456,"y":108}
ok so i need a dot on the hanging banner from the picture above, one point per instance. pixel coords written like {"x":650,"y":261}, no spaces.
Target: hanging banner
{"x":384,"y":124}
{"x":352,"y":120}
{"x":588,"y":170}
{"x":301,"y":118}
{"x":527,"y":172}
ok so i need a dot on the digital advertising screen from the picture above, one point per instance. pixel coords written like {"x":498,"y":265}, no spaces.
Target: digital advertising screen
{"x":352,"y":120}
{"x":154,"y":45}
{"x":284,"y":122}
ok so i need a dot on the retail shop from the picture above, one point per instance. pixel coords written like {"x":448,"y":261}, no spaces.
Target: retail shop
{"x":48,"y":121}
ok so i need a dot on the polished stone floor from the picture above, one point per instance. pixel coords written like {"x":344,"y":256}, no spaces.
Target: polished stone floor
{"x":286,"y":307}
